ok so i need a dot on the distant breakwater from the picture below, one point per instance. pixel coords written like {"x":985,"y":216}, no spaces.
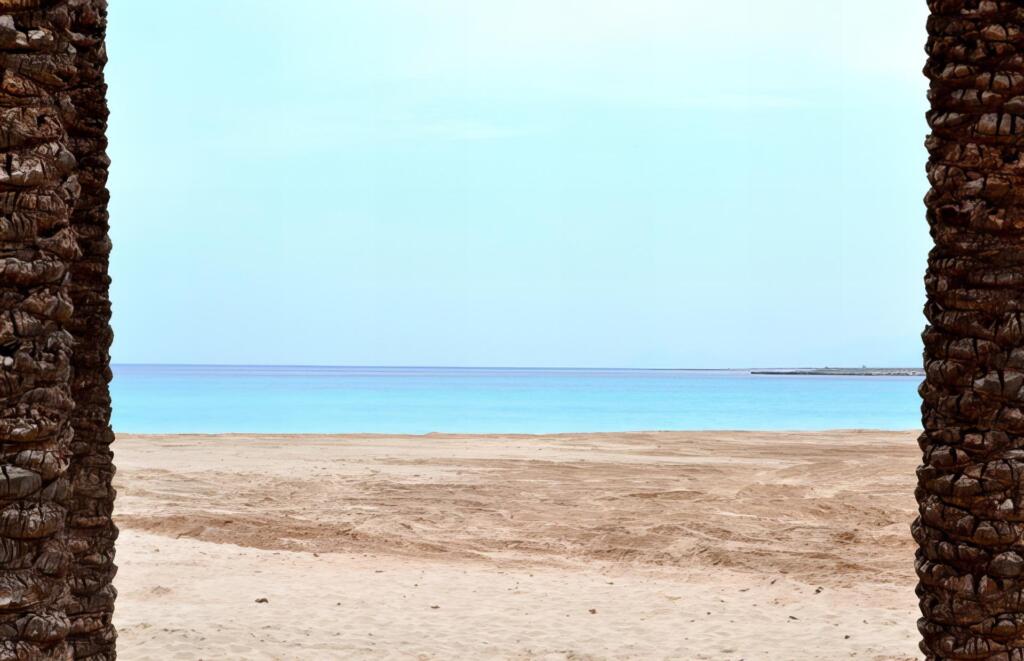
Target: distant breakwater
{"x":845,"y":371}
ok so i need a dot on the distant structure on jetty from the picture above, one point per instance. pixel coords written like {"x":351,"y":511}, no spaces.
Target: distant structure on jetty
{"x":844,"y":371}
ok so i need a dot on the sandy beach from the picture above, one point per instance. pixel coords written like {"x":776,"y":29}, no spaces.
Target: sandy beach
{"x":717,"y":545}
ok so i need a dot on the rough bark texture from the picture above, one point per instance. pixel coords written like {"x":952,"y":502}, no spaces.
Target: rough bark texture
{"x":91,"y":532}
{"x":970,"y":561}
{"x":38,"y":190}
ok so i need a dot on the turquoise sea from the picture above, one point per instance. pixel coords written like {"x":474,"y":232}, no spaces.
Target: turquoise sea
{"x":416,"y":400}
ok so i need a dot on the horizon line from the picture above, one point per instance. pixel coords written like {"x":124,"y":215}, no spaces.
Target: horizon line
{"x":506,"y":367}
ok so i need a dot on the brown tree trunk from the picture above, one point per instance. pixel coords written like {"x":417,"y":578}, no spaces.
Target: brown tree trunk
{"x":970,"y":561}
{"x":91,"y":532}
{"x":38,"y":190}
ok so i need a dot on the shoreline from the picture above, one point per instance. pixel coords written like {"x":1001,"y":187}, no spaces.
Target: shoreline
{"x":351,"y":436}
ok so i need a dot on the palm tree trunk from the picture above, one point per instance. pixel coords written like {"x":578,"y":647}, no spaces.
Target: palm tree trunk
{"x":970,"y":560}
{"x":91,"y":531}
{"x":38,"y":190}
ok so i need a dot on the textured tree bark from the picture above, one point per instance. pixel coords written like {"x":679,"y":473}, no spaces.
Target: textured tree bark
{"x":38,"y":190}
{"x":91,"y":531}
{"x":970,"y":561}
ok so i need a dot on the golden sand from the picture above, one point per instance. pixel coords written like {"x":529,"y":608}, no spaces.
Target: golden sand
{"x":718,"y":545}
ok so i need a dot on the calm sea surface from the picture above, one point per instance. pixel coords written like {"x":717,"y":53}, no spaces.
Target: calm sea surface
{"x":213,"y":399}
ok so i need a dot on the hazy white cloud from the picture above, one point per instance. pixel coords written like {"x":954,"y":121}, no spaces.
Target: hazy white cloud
{"x":469,"y":130}
{"x":660,"y":52}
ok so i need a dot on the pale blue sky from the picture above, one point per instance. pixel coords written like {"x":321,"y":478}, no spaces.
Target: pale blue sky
{"x":634,"y":183}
